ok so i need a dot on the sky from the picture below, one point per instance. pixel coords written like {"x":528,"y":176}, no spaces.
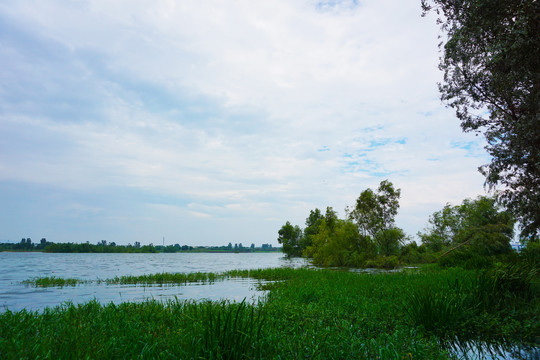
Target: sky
{"x":209,"y":122}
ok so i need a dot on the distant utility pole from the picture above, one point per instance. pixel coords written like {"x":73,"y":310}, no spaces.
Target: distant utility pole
{"x":164,"y":241}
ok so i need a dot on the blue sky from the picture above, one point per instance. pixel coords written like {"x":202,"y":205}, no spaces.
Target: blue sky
{"x":210,"y":122}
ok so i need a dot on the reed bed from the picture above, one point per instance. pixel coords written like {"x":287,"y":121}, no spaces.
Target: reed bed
{"x":169,"y":278}
{"x":165,"y":278}
{"x":52,"y":281}
{"x":310,"y":314}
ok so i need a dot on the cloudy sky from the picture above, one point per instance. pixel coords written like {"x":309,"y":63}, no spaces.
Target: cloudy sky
{"x":208,"y":122}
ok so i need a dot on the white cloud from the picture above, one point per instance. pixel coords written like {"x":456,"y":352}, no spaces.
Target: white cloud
{"x":228,"y":104}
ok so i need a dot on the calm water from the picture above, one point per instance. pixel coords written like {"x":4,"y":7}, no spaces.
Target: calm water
{"x":17,"y":267}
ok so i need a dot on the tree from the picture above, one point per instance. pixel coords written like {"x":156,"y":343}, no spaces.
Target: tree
{"x":491,"y":66}
{"x":376,"y":211}
{"x":389,"y":240}
{"x":375,"y":214}
{"x":480,"y":223}
{"x":313,"y":222}
{"x":338,"y":244}
{"x":443,"y":226}
{"x":289,"y":236}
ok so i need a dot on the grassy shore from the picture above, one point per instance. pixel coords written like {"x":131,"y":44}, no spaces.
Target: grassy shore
{"x":312,"y":314}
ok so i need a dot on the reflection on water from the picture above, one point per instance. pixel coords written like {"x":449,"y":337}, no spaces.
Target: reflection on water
{"x":481,"y":350}
{"x":16,"y":267}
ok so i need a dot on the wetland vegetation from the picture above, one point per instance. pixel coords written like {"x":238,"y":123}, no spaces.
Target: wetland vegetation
{"x":307,"y":313}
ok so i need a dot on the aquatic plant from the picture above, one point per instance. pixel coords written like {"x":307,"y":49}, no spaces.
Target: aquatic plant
{"x":53,"y":281}
{"x":315,"y":314}
{"x":165,"y":278}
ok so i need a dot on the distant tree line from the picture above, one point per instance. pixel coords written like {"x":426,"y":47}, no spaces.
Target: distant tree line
{"x":475,"y":232}
{"x":103,"y":246}
{"x":25,"y":244}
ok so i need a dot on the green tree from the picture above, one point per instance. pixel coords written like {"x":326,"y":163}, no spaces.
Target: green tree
{"x":443,"y":226}
{"x":480,"y":223}
{"x":376,"y":211}
{"x":388,"y":241}
{"x":339,"y":244}
{"x":313,"y":222}
{"x":491,"y":66}
{"x":289,"y":236}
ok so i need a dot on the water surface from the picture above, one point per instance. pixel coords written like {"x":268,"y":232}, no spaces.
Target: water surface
{"x":17,"y":267}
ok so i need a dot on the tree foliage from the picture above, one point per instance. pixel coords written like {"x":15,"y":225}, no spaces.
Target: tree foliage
{"x":338,"y":244}
{"x":313,"y":222}
{"x":376,"y":211}
{"x":368,"y":232}
{"x":481,"y":223}
{"x":491,"y":66}
{"x":290,"y":236}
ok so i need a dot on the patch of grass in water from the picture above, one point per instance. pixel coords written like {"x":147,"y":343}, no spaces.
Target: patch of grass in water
{"x":165,"y":278}
{"x":52,"y":281}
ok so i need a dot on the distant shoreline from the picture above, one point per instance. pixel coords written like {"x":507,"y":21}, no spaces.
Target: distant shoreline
{"x":102,"y":248}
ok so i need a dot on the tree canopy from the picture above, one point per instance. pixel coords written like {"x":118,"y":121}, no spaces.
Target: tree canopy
{"x":290,"y":236}
{"x":367,"y":237}
{"x":376,"y":211}
{"x":481,"y":223}
{"x":491,"y":64}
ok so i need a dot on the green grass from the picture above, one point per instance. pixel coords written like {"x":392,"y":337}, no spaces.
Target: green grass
{"x":169,"y":278}
{"x":307,"y":314}
{"x":52,"y":281}
{"x":166,"y":278}
{"x":150,"y":329}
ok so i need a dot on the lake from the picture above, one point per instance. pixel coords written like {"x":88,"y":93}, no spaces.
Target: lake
{"x":17,"y":267}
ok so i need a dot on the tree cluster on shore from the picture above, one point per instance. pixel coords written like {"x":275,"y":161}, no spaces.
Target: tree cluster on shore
{"x":475,"y":233}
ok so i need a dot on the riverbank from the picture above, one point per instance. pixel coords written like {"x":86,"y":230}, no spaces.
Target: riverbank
{"x":316,"y":314}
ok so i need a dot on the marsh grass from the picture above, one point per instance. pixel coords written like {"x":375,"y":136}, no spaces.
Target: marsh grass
{"x":231,"y":331}
{"x":173,"y":329}
{"x":52,"y":281}
{"x":437,"y":312}
{"x":169,"y":278}
{"x":165,"y":278}
{"x":307,"y":314}
{"x":489,"y":312}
